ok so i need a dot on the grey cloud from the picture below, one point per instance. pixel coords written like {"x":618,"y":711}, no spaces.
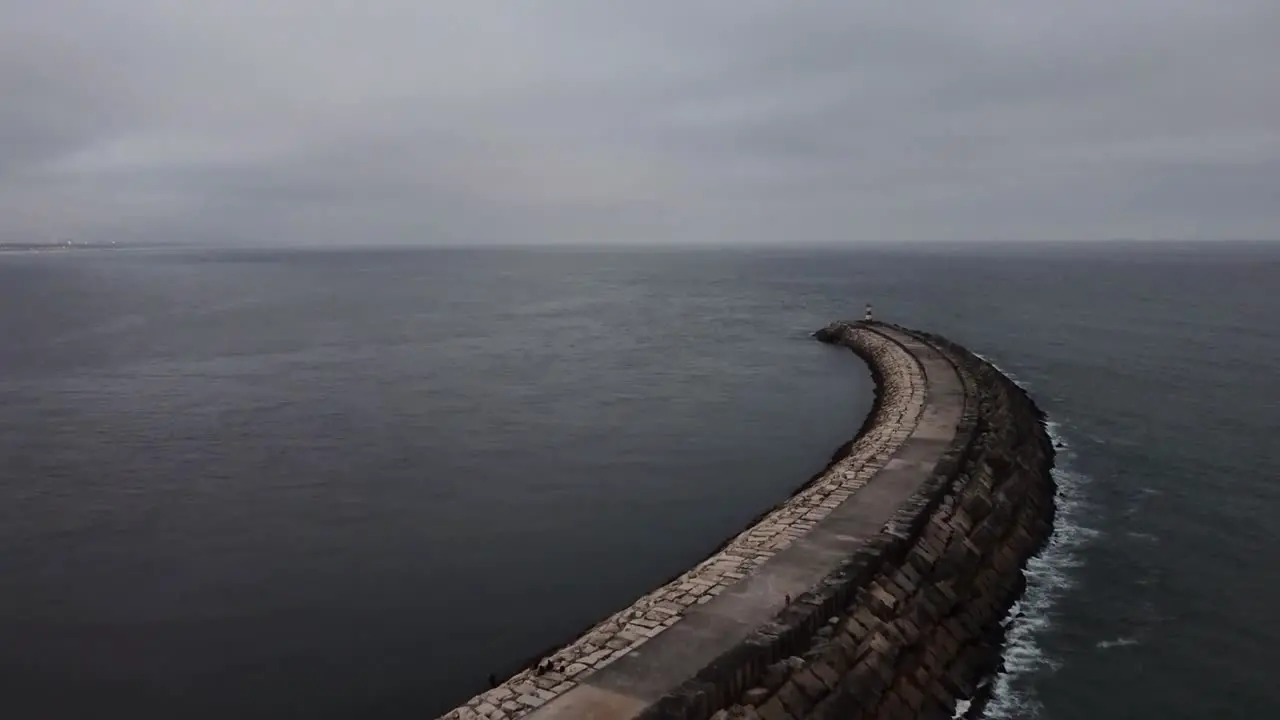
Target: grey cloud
{"x":337,"y":122}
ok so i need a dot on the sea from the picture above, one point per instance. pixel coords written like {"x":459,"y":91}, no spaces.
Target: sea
{"x":353,"y":483}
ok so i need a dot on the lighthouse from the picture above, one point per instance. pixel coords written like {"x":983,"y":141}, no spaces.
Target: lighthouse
{"x":867,"y":317}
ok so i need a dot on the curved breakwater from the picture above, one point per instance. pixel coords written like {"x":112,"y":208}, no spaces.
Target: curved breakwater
{"x":877,"y":590}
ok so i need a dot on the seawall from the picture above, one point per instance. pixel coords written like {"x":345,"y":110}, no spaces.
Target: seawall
{"x":877,"y":590}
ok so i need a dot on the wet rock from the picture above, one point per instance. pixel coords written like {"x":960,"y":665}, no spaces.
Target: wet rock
{"x":829,"y":335}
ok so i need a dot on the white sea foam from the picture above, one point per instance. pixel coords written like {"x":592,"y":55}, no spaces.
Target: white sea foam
{"x":1118,"y":642}
{"x":1048,"y":575}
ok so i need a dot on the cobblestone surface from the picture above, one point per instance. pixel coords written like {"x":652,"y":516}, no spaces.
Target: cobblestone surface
{"x":902,"y":388}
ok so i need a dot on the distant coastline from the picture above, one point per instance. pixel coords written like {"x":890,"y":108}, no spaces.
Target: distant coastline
{"x":64,"y":246}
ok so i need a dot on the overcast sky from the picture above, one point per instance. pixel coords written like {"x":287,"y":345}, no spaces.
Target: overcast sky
{"x":739,"y":121}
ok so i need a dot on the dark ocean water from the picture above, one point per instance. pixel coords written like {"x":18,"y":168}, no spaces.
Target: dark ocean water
{"x":354,"y":483}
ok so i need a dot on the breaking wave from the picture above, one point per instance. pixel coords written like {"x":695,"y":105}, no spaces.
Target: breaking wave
{"x":1048,"y":574}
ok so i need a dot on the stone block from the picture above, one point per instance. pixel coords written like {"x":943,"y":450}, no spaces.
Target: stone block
{"x":546,"y":694}
{"x":881,"y":602}
{"x":938,"y":691}
{"x":810,"y":684}
{"x":828,"y":671}
{"x":972,"y":620}
{"x":881,"y":648}
{"x":794,"y":699}
{"x":910,"y":695}
{"x":892,"y":708}
{"x":923,"y":675}
{"x":498,"y":694}
{"x":957,"y":628}
{"x":548,"y":681}
{"x":922,"y":560}
{"x":597,"y":657}
{"x":524,"y":688}
{"x":942,"y":593}
{"x":958,"y":560}
{"x":946,"y":643}
{"x":530,"y":701}
{"x":910,"y":577}
{"x":865,"y":682}
{"x":849,"y":648}
{"x":909,"y":633}
{"x":932,"y":548}
{"x":1005,"y":560}
{"x":958,"y":683}
{"x":993,"y":581}
{"x":773,"y":710}
{"x":900,"y":583}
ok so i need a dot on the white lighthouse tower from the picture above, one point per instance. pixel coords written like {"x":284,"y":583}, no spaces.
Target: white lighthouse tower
{"x":867,"y":316}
